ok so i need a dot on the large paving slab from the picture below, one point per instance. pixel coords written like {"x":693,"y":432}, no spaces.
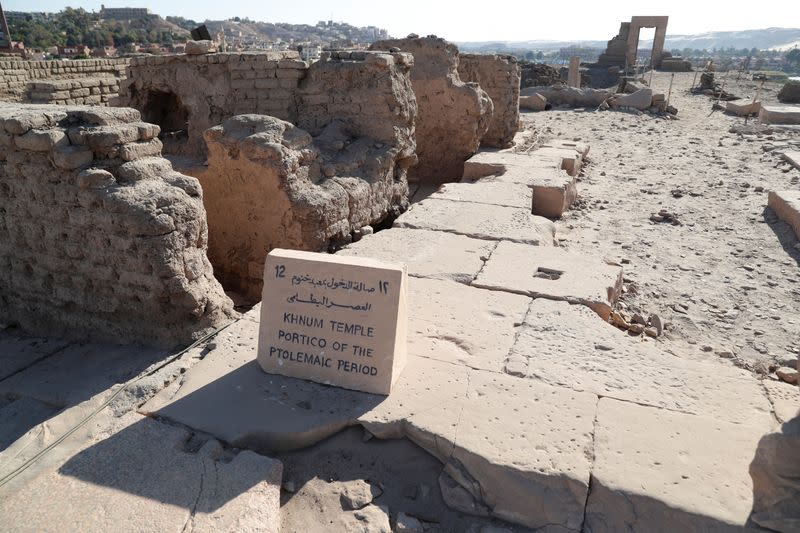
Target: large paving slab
{"x":552,"y":273}
{"x":143,"y":475}
{"x":79,"y":371}
{"x":502,"y":440}
{"x":426,"y":253}
{"x":18,"y":352}
{"x":487,"y":192}
{"x":499,"y":436}
{"x":786,"y":205}
{"x":661,"y":471}
{"x":460,"y":324}
{"x":480,"y":221}
{"x":569,"y":346}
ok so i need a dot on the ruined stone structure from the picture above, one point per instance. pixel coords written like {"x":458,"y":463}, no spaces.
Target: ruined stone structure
{"x":22,"y":81}
{"x":538,"y":74}
{"x":621,"y":50}
{"x":187,"y":94}
{"x":86,"y":91}
{"x":453,"y":115}
{"x":99,"y":237}
{"x":271,"y":184}
{"x":499,"y":76}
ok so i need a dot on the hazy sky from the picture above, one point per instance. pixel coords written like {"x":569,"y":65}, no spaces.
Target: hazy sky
{"x":469,"y":20}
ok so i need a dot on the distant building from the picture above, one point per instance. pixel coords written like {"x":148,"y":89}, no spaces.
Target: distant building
{"x":104,"y":51}
{"x":124,"y":13}
{"x":72,"y":51}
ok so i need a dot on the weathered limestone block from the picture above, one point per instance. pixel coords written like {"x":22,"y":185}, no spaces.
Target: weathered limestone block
{"x":779,"y":114}
{"x":94,"y":246}
{"x":743,"y":108}
{"x":533,"y":102}
{"x":453,"y":115}
{"x":786,"y":205}
{"x":194,"y":48}
{"x":569,"y":96}
{"x":499,"y":76}
{"x":641,"y":100}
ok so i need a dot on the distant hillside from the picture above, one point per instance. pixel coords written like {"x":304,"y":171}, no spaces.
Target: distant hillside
{"x":770,"y":38}
{"x":322,"y":33}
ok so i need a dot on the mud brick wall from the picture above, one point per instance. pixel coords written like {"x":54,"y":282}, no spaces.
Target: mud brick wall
{"x":187,"y":94}
{"x":86,"y":91}
{"x":99,"y":237}
{"x":270,"y":183}
{"x":499,"y":76}
{"x":17,"y":75}
{"x":453,"y":115}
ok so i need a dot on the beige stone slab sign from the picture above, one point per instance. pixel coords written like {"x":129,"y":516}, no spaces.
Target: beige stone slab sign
{"x":335,"y":320}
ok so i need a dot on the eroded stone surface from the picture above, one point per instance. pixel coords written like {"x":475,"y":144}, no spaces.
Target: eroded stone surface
{"x":568,"y":346}
{"x":480,"y":221}
{"x":464,"y":325}
{"x":146,"y":474}
{"x":779,"y":114}
{"x":117,"y":257}
{"x":486,"y":192}
{"x":18,"y":352}
{"x":426,"y":253}
{"x":499,"y":76}
{"x":657,"y":470}
{"x":453,"y":115}
{"x":549,"y":272}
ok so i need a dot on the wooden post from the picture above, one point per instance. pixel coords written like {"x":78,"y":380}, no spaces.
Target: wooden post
{"x":694,"y":80}
{"x":669,"y":93}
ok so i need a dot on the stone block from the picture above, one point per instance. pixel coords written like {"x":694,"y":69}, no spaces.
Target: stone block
{"x":779,"y":114}
{"x":786,"y":205}
{"x":641,"y":100}
{"x":533,"y":102}
{"x":479,"y":221}
{"x":743,"y":108}
{"x":336,"y":320}
{"x":553,"y":193}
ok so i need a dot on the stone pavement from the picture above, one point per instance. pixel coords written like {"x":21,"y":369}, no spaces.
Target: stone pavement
{"x":541,"y":413}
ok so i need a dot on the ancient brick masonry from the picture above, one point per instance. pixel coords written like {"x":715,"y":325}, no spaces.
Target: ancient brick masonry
{"x":499,"y":76}
{"x":272,"y":184}
{"x":19,"y":78}
{"x":187,"y":94}
{"x":85,"y":91}
{"x":453,"y":115}
{"x":99,"y":237}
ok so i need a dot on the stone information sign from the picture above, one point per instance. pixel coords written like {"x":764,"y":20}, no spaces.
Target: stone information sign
{"x":333,"y":319}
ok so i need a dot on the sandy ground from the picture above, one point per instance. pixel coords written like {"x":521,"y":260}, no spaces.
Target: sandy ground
{"x":726,"y":279}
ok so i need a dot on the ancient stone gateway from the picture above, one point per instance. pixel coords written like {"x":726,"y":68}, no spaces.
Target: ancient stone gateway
{"x":637,"y":23}
{"x":453,"y":115}
{"x":621,"y":50}
{"x":99,"y":236}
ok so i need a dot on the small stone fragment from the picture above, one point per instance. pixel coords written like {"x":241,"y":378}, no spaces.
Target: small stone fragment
{"x":789,"y":375}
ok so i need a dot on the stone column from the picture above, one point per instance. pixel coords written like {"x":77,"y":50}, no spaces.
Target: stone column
{"x":633,"y":44}
{"x":658,"y":45}
{"x":574,"y":76}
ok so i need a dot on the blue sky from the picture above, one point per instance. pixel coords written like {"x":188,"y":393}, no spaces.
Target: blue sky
{"x":470,"y":20}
